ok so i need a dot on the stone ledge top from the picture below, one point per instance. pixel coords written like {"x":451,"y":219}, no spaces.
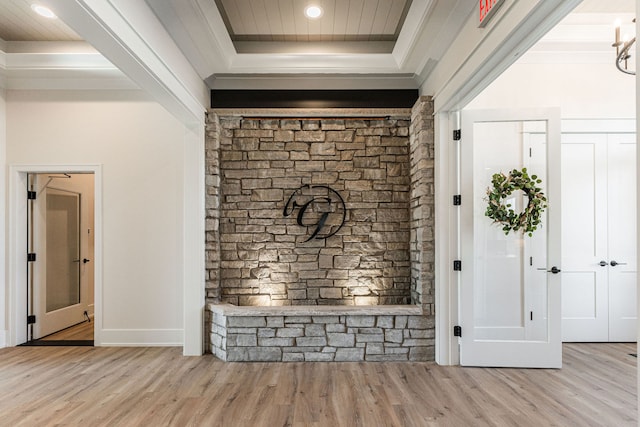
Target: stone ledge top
{"x":316,"y":310}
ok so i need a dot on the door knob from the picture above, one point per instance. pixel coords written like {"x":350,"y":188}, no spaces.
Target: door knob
{"x":603,"y":263}
{"x":554,"y":270}
{"x":614,"y":263}
{"x":85,"y":260}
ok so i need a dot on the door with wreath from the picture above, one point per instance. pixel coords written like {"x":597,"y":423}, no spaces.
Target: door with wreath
{"x":509,"y":236}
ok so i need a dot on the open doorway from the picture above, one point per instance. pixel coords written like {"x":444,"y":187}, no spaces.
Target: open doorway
{"x":573,"y":68}
{"x":60,"y":272}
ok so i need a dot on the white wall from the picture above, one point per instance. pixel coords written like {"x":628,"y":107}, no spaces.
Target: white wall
{"x":582,"y":91}
{"x":4,"y":294}
{"x":140,"y":147}
{"x":637,"y":116}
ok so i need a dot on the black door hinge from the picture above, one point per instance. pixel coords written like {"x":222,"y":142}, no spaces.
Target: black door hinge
{"x":457,"y":135}
{"x":457,"y":265}
{"x":31,"y":195}
{"x":31,"y":319}
{"x":457,"y":200}
{"x":31,"y":257}
{"x":457,"y":331}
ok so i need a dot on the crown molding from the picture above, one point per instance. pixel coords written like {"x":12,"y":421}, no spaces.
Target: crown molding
{"x":130,"y":36}
{"x":198,"y":28}
{"x":56,"y":65}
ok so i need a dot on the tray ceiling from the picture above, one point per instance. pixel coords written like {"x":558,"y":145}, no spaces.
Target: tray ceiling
{"x":255,"y":43}
{"x":19,"y":23}
{"x":285,"y":20}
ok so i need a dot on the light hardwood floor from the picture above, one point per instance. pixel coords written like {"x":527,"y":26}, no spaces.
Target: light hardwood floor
{"x":86,"y":386}
{"x":81,"y":331}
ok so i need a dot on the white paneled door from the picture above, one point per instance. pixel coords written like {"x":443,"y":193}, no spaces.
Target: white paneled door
{"x":599,"y":237}
{"x":510,"y":284}
{"x":59,"y":236}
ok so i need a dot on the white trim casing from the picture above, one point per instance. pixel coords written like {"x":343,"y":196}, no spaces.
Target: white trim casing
{"x":17,"y":246}
{"x":193,"y":241}
{"x":446,"y":237}
{"x":637,"y":77}
{"x":4,"y":230}
{"x":480,"y":56}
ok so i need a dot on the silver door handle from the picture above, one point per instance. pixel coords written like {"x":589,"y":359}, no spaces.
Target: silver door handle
{"x":614,"y":263}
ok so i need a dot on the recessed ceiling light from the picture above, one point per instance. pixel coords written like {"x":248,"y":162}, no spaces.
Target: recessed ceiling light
{"x":313,"y":12}
{"x":43,"y":11}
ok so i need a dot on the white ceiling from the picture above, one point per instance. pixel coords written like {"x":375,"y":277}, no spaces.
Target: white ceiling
{"x":342,"y":20}
{"x":284,"y":20}
{"x":280,"y":26}
{"x":348,"y":46}
{"x":269,"y":20}
{"x":585,"y":36}
{"x":19,"y":23}
{"x":341,"y":43}
{"x":606,"y":6}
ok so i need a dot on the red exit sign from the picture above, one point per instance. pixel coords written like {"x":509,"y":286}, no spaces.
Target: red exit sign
{"x":487,"y":9}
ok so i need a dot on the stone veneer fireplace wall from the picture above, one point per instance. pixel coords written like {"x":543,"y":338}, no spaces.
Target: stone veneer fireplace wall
{"x":381,"y":164}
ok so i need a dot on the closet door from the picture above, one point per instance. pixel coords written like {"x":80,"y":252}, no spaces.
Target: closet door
{"x":598,"y":237}
{"x":622,"y":237}
{"x":585,"y":307}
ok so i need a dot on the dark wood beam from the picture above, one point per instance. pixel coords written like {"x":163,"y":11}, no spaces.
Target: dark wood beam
{"x":382,"y":98}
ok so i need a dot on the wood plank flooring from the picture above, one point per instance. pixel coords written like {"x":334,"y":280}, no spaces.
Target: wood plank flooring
{"x":93,"y":386}
{"x":81,"y":331}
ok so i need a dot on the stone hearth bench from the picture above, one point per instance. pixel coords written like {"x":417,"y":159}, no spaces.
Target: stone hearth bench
{"x":320,"y":333}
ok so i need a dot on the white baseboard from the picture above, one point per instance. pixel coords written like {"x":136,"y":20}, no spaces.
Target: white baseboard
{"x":140,"y":338}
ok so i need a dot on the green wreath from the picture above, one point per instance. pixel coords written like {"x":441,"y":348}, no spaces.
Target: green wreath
{"x":503,"y":186}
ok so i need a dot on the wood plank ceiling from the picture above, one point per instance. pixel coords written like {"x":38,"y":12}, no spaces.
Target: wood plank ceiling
{"x":19,"y":23}
{"x":342,"y":20}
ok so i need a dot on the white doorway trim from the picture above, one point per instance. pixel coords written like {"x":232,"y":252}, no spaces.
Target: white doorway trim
{"x":446,"y":236}
{"x":514,"y":31}
{"x":17,"y":246}
{"x":193,"y":240}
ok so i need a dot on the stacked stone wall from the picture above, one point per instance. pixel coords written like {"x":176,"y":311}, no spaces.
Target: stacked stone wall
{"x":212,"y":198}
{"x":322,"y":338}
{"x":265,"y":258}
{"x":384,"y":254}
{"x":422,"y":206}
